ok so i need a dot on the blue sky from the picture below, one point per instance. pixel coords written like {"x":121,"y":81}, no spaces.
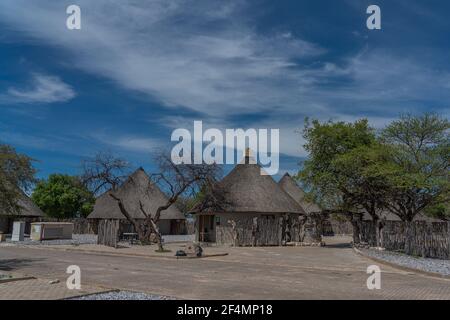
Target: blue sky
{"x":139,"y":69}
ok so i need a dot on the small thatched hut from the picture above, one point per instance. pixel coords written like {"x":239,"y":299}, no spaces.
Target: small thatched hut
{"x":330,"y":224}
{"x":138,"y":188}
{"x":28,"y":212}
{"x":317,"y":224}
{"x":255,"y":210}
{"x":288,"y":184}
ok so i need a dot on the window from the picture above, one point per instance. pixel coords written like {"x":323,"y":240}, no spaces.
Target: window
{"x":217,"y":221}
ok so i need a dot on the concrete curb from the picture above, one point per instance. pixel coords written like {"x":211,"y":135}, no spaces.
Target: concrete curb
{"x":400,"y":267}
{"x":90,"y":294}
{"x":121,"y":254}
{"x":16,"y":279}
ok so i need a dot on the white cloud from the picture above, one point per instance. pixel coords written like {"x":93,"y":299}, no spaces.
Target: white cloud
{"x":128,"y":142}
{"x":43,"y":89}
{"x":206,"y":56}
{"x":202,"y":55}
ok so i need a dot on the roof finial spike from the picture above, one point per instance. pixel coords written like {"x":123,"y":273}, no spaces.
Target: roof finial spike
{"x":248,"y":156}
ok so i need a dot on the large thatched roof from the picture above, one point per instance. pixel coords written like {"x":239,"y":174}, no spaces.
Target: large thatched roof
{"x":27,"y":208}
{"x":288,"y":184}
{"x":137,"y":188}
{"x":246,"y":190}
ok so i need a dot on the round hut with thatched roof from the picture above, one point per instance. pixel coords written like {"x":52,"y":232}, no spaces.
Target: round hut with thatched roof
{"x":254,"y":210}
{"x":138,"y":188}
{"x":28,"y":212}
{"x":316,"y":222}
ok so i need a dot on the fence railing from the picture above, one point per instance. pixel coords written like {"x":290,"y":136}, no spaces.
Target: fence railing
{"x":108,"y":232}
{"x":425,"y":239}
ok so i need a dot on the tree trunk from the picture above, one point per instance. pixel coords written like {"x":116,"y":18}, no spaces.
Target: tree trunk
{"x":380,"y":239}
{"x":157,"y":234}
{"x":136,"y":225}
{"x":356,"y":230}
{"x":408,"y":236}
{"x":374,"y":235}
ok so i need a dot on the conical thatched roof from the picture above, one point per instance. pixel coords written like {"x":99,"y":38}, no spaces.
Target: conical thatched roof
{"x":137,"y":188}
{"x":245,"y":189}
{"x":27,"y":208}
{"x":288,"y":184}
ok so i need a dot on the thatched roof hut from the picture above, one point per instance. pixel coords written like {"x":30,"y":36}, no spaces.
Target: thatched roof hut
{"x":246,"y":190}
{"x":28,"y":212}
{"x":288,"y":184}
{"x":137,"y":188}
{"x":27,"y":208}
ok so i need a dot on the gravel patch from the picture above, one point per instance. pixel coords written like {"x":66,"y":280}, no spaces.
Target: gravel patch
{"x":5,"y":276}
{"x":77,"y":239}
{"x":123,"y":295}
{"x":425,"y":264}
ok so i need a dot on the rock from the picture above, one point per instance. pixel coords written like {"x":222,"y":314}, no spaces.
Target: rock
{"x":180,"y":253}
{"x":194,"y":249}
{"x":198,"y":250}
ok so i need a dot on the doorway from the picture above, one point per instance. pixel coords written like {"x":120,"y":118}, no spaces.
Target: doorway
{"x":206,"y":228}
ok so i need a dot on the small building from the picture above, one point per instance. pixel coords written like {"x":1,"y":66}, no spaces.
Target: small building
{"x":317,"y":223}
{"x":51,"y":230}
{"x":254,"y":211}
{"x":137,"y":189}
{"x":28,"y":212}
{"x":288,"y":184}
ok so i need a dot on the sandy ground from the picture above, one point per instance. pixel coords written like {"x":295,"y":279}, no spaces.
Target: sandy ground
{"x":331,"y":272}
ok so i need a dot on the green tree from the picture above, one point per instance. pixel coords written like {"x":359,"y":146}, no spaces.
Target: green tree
{"x":16,"y":175}
{"x":325,"y":143}
{"x":418,"y":169}
{"x":335,"y":170}
{"x":439,"y":211}
{"x":419,"y":162}
{"x":63,"y":196}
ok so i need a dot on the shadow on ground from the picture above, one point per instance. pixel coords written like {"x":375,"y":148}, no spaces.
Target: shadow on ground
{"x":338,"y":245}
{"x":11,"y":264}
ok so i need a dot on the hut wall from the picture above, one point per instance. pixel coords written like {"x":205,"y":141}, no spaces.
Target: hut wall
{"x":341,"y":227}
{"x":164,"y":226}
{"x":108,"y":232}
{"x":4,"y":224}
{"x":177,"y":227}
{"x":80,"y":225}
{"x":258,"y":229}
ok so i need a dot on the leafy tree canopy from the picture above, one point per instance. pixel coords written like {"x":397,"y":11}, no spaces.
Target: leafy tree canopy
{"x":323,"y":172}
{"x":405,"y":170}
{"x":63,"y":196}
{"x":419,"y":164}
{"x":16,"y":175}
